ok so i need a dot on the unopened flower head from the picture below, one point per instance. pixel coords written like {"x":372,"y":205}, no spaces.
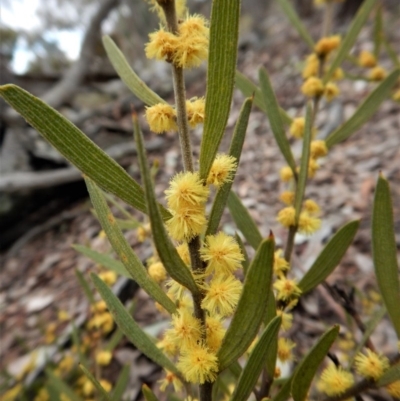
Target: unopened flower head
{"x":103,"y":358}
{"x":331,"y":91}
{"x":286,"y":289}
{"x":280,"y":263}
{"x":371,"y":365}
{"x":318,"y":149}
{"x":366,"y":59}
{"x":377,"y":73}
{"x":335,"y":381}
{"x":313,"y":166}
{"x":222,"y":254}
{"x":287,"y":216}
{"x":337,"y":75}
{"x":186,"y":189}
{"x":311,"y":66}
{"x":287,"y":197}
{"x":161,"y":118}
{"x":326,"y":45}
{"x":311,"y":207}
{"x":222,"y":170}
{"x":313,"y":87}
{"x":186,"y":223}
{"x":198,"y":364}
{"x":195,"y":111}
{"x":297,"y":127}
{"x":286,"y":174}
{"x":308,"y":224}
{"x":222,"y":295}
{"x":285,"y":347}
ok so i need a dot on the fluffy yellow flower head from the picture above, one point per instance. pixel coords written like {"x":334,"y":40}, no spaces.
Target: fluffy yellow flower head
{"x":191,"y":51}
{"x":318,"y":149}
{"x":335,"y":381}
{"x":313,"y":87}
{"x":287,"y":319}
{"x":222,"y":254}
{"x":326,"y":45}
{"x":222,"y":170}
{"x":337,"y":74}
{"x":286,"y":289}
{"x":157,"y":271}
{"x":394,"y":389}
{"x":366,"y":59}
{"x":280,"y":264}
{"x":371,"y":365}
{"x":287,"y":197}
{"x":186,"y":189}
{"x":222,"y":295}
{"x":378,"y":73}
{"x":285,"y":349}
{"x":198,"y":364}
{"x":313,"y":166}
{"x":215,"y":332}
{"x":183,"y":252}
{"x":103,"y":358}
{"x":311,"y":66}
{"x":286,"y":174}
{"x":331,"y":91}
{"x":297,"y":127}
{"x":194,"y":25}
{"x":195,"y":111}
{"x":311,"y":206}
{"x":109,"y":277}
{"x":308,"y":224}
{"x":162,"y":45}
{"x":161,"y":118}
{"x":287,"y":216}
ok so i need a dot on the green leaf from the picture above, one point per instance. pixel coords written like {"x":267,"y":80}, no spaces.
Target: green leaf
{"x":243,"y":220}
{"x":391,"y":52}
{"x":235,"y":150}
{"x":275,"y":119}
{"x":365,"y":111}
{"x":76,"y":147}
{"x":307,"y":368}
{"x":250,"y":310}
{"x":350,"y":38}
{"x":330,"y":257}
{"x":106,"y":261}
{"x":59,"y":386}
{"x":305,"y":158}
{"x":390,"y":376}
{"x":130,"y":328}
{"x":384,"y":251}
{"x":296,"y":22}
{"x":121,"y":384}
{"x":378,"y":31}
{"x":148,"y":394}
{"x":103,"y":393}
{"x":128,"y":76}
{"x":248,"y":88}
{"x":85,"y":286}
{"x":256,"y":361}
{"x":224,"y":32}
{"x":245,"y":262}
{"x":284,"y":392}
{"x":132,"y":263}
{"x":173,"y":264}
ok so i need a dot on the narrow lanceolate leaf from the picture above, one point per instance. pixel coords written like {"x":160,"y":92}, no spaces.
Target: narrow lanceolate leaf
{"x":121,"y":384}
{"x":75,"y":146}
{"x":174,"y":265}
{"x":130,"y":328}
{"x":224,"y":32}
{"x":384,"y":251}
{"x":307,"y":368}
{"x":256,"y":362}
{"x":251,"y":307}
{"x":245,"y":262}
{"x":148,"y":394}
{"x":275,"y":119}
{"x":60,"y":387}
{"x":378,"y":31}
{"x":124,"y":251}
{"x":305,"y":158}
{"x":85,"y":286}
{"x":235,"y":150}
{"x":248,"y":88}
{"x":296,"y":22}
{"x":104,"y":260}
{"x":243,"y":220}
{"x":365,"y":111}
{"x":390,"y":376}
{"x":128,"y":76}
{"x":103,"y":393}
{"x":351,"y":37}
{"x":330,"y":257}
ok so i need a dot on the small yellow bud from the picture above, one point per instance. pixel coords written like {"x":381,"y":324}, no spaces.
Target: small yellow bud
{"x":312,"y":87}
{"x":287,"y":216}
{"x":287,"y":197}
{"x":366,"y":59}
{"x":311,"y":66}
{"x":157,"y":272}
{"x":318,"y":149}
{"x":326,"y":45}
{"x":103,"y":358}
{"x":331,"y":91}
{"x":286,"y":174}
{"x":109,"y":277}
{"x":378,"y":73}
